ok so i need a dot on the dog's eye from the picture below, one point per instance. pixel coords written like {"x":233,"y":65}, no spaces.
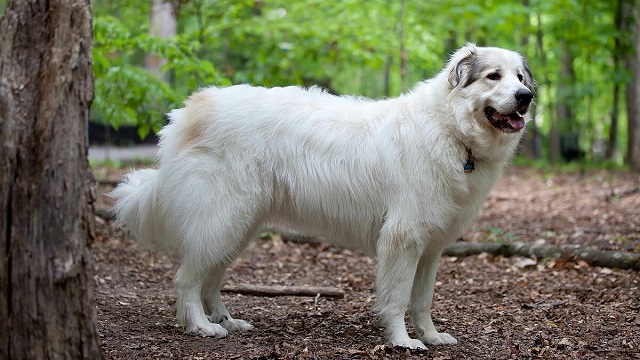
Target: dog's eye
{"x":494,"y":76}
{"x":520,"y":77}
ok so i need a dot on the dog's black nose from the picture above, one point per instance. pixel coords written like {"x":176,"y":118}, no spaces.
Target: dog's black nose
{"x":524,"y":96}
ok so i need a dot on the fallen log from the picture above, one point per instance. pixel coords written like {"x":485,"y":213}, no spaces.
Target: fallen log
{"x":260,"y":290}
{"x":569,"y":252}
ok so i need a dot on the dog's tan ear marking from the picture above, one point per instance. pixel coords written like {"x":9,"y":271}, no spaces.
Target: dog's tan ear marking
{"x":463,"y":71}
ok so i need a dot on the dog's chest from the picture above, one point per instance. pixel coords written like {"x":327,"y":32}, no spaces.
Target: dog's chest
{"x":477,"y":185}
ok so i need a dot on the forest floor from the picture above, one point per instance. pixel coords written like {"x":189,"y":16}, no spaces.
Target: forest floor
{"x":497,"y":308}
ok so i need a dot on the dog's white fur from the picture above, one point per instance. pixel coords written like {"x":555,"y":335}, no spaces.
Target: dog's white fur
{"x":385,"y":177}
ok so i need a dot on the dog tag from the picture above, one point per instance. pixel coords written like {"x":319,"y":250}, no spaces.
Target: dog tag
{"x":469,"y":166}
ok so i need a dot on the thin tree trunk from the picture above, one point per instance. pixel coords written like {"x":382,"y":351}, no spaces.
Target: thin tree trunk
{"x":47,"y":304}
{"x":633,"y":94}
{"x":530,"y":146}
{"x":564,"y":115}
{"x":403,"y":50}
{"x":612,"y":142}
{"x":450,"y":44}
{"x":162,"y":24}
{"x":386,"y":80}
{"x":541,"y":54}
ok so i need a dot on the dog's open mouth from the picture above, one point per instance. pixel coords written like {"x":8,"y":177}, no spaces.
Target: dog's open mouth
{"x":506,"y":123}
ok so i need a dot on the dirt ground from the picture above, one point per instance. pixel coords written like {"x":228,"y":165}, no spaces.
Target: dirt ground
{"x":497,"y":308}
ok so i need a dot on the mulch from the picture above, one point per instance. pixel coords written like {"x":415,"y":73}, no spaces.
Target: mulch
{"x":496,"y":307}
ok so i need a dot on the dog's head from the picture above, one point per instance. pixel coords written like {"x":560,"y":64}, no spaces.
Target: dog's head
{"x":493,"y":84}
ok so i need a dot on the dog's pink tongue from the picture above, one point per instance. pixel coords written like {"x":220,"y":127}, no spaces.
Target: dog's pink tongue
{"x":516,"y":122}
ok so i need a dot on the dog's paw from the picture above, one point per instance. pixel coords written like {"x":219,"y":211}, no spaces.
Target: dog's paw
{"x":217,"y":318}
{"x":410,"y":343}
{"x":236,"y":325}
{"x":439,"y":339}
{"x":213,"y":330}
{"x":229,"y":323}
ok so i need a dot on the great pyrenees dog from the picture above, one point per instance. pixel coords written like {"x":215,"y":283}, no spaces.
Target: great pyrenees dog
{"x":397,"y":179}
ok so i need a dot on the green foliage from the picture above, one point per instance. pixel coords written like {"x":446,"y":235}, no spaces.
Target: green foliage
{"x":353,"y":47}
{"x":125,"y":92}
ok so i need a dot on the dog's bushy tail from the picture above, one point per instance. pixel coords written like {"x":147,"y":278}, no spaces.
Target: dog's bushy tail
{"x":136,"y":208}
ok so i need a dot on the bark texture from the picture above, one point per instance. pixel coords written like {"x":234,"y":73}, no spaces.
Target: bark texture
{"x":47,"y":303}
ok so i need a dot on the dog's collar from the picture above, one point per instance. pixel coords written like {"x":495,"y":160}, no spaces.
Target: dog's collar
{"x":469,"y":166}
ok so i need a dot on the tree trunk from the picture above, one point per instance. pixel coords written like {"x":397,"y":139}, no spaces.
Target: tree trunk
{"x":47,"y":304}
{"x":633,"y":96}
{"x":162,"y":24}
{"x":612,"y":142}
{"x":564,"y":102}
{"x":403,"y":50}
{"x":530,"y":146}
{"x":554,"y":138}
{"x":386,"y":80}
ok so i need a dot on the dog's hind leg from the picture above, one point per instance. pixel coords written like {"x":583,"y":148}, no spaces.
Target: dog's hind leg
{"x":397,"y":261}
{"x":199,"y":278}
{"x":219,"y":216}
{"x":213,"y":304}
{"x":422,"y":300}
{"x":188,"y":282}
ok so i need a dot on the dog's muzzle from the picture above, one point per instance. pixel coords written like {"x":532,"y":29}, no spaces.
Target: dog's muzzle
{"x":511,"y":123}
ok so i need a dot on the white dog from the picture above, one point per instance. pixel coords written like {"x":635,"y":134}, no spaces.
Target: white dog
{"x":397,"y":179}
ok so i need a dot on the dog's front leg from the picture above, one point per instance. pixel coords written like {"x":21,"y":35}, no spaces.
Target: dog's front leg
{"x":422,"y":299}
{"x":397,"y":262}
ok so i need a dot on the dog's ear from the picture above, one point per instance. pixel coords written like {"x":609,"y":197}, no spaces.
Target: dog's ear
{"x":528,"y":81}
{"x":462,"y":71}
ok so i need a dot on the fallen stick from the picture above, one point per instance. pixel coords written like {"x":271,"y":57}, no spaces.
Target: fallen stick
{"x":259,"y":290}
